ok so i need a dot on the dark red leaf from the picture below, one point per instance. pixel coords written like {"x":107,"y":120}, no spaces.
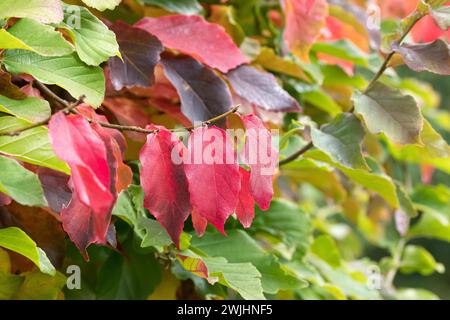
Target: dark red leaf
{"x":164,"y":181}
{"x":198,"y":222}
{"x":140,"y":52}
{"x":55,"y":186}
{"x":83,"y":225}
{"x":203,"y":94}
{"x":193,"y":35}
{"x":81,"y":147}
{"x":245,"y":210}
{"x":261,"y":89}
{"x":213,"y":175}
{"x":262,"y":159}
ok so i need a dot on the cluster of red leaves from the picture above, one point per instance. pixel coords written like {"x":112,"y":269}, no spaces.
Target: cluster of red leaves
{"x":95,"y":157}
{"x":210,"y":191}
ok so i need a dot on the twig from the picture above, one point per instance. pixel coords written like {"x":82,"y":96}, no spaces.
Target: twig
{"x":70,"y":107}
{"x":396,"y":263}
{"x":375,"y":78}
{"x":67,"y":109}
{"x":147,"y":131}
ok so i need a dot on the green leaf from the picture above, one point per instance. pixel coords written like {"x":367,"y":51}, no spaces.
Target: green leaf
{"x":31,"y":146}
{"x":442,"y":17}
{"x":321,"y":176}
{"x":9,"y":285}
{"x":335,"y":75}
{"x":286,"y":221}
{"x":133,"y":276}
{"x":275,"y":276}
{"x":46,"y":11}
{"x":323,"y":101}
{"x":29,"y":109}
{"x":432,"y":225}
{"x":386,"y":110}
{"x":68,"y":72}
{"x":405,"y":202}
{"x":18,"y":241}
{"x":325,"y":248}
{"x":38,"y":286}
{"x":130,"y":208}
{"x":341,"y":140}
{"x":178,"y":6}
{"x":28,"y":34}
{"x":418,"y":260}
{"x":241,"y":277}
{"x":102,"y":5}
{"x":435,"y":220}
{"x":379,"y":183}
{"x":20,"y":184}
{"x":94,"y":42}
{"x":342,"y":49}
{"x":350,"y":286}
{"x":415,"y":294}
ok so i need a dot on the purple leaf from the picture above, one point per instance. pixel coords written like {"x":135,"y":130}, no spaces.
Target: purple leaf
{"x":261,"y":89}
{"x":140,"y":52}
{"x":203,"y":94}
{"x":433,"y":57}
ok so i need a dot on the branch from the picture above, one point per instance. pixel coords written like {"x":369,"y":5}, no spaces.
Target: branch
{"x":147,"y":131}
{"x":375,"y":78}
{"x":70,"y":107}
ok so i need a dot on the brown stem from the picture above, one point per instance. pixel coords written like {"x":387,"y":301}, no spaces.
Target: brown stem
{"x":70,"y":107}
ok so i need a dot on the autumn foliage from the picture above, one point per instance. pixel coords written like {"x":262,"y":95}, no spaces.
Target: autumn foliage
{"x":222,"y":149}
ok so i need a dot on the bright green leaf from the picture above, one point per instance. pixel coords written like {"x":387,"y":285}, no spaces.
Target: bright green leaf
{"x":94,"y":42}
{"x":418,"y":259}
{"x":18,"y":241}
{"x":68,"y":72}
{"x":31,"y":146}
{"x":20,"y":184}
{"x":28,"y":34}
{"x":46,"y":11}
{"x":102,"y":5}
{"x":178,"y":6}
{"x":29,"y":109}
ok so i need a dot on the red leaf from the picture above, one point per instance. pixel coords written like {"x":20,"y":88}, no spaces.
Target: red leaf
{"x":304,"y":21}
{"x":81,"y":147}
{"x":129,"y":113}
{"x":198,"y":222}
{"x":95,"y":156}
{"x":426,"y":30}
{"x":194,"y":36}
{"x":213,"y":175}
{"x":262,"y":159}
{"x":164,"y":181}
{"x":245,"y":210}
{"x":83,"y":225}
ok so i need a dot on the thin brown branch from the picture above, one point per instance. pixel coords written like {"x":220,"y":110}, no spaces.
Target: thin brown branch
{"x":147,"y":131}
{"x":70,"y":107}
{"x":67,"y":109}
